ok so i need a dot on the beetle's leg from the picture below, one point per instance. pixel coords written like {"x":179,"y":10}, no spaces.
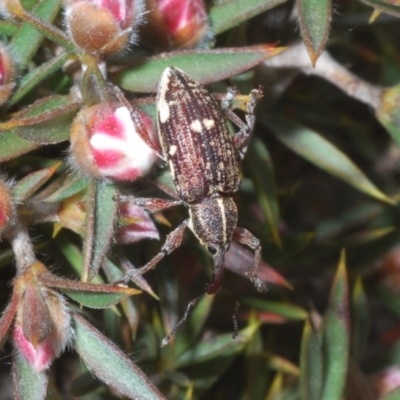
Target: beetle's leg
{"x":142,"y":131}
{"x":242,"y":138}
{"x":151,"y":204}
{"x":218,"y":271}
{"x":243,"y":236}
{"x":173,"y":241}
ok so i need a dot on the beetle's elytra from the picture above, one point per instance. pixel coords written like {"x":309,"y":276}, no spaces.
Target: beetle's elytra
{"x":203,"y":158}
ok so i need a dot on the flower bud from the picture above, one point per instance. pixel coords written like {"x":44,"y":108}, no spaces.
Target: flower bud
{"x":43,"y":323}
{"x":7,"y":74}
{"x":105,"y":143}
{"x":136,"y":224}
{"x":102,"y":26}
{"x":386,"y":381}
{"x":172,"y":24}
{"x":7,"y":209}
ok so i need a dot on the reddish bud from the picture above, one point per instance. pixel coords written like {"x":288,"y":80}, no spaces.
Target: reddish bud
{"x":175,"y":24}
{"x":136,"y":224}
{"x":43,"y":322}
{"x":7,"y":209}
{"x":386,"y":381}
{"x":7,"y":74}
{"x":105,"y":143}
{"x":102,"y":26}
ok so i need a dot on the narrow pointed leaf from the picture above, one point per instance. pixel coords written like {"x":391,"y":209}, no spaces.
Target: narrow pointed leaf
{"x":360,"y":321}
{"x":315,"y":20}
{"x":286,"y":310}
{"x":101,"y":211}
{"x":221,"y":346}
{"x":89,"y":294}
{"x":336,"y":336}
{"x":110,"y":364}
{"x":34,"y":77}
{"x":67,"y":187}
{"x":317,"y":150}
{"x":28,"y":384}
{"x":240,"y":260}
{"x":27,"y":39}
{"x":13,"y":146}
{"x":388,"y":7}
{"x":388,"y":112}
{"x":46,"y":121}
{"x":227,"y":14}
{"x":204,"y":66}
{"x":261,"y":172}
{"x":28,"y":185}
{"x":311,"y":364}
{"x":275,"y":392}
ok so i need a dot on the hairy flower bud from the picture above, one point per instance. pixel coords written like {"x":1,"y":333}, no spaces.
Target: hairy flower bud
{"x":7,"y":74}
{"x":102,"y":26}
{"x":172,"y":24}
{"x":105,"y":143}
{"x":7,"y":209}
{"x":43,"y":323}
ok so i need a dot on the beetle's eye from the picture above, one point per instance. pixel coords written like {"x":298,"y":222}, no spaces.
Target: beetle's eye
{"x":212,"y":249}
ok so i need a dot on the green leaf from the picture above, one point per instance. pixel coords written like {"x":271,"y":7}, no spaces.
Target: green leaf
{"x":311,"y":364}
{"x":67,"y":187}
{"x":221,"y":346}
{"x":385,"y":6}
{"x":27,"y":39}
{"x":317,"y":150}
{"x":388,"y":112}
{"x":32,"y":182}
{"x":46,"y":121}
{"x":100,"y":218}
{"x":393,"y":395}
{"x":204,"y":66}
{"x":286,"y":310}
{"x":13,"y":146}
{"x":36,"y":76}
{"x":8,"y":28}
{"x":360,"y":322}
{"x":96,"y":300}
{"x":110,"y":364}
{"x":262,"y":174}
{"x":336,"y":336}
{"x":28,"y":384}
{"x":227,"y":14}
{"x":315,"y":19}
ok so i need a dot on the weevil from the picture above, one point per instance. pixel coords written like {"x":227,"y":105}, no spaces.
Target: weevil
{"x":203,"y":159}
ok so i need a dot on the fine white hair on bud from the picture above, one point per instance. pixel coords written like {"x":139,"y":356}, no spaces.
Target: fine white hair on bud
{"x":103,"y":26}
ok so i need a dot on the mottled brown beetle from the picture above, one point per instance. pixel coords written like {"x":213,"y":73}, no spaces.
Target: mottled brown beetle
{"x":203,"y":158}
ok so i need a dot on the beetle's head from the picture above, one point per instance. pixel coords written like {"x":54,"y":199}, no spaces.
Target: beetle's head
{"x":213,"y":221}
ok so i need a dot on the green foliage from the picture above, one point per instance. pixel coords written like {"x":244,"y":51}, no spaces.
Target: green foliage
{"x":320,"y":178}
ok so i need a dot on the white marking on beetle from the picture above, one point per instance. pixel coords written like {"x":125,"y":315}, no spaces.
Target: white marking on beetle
{"x":195,"y":126}
{"x":222,"y":208}
{"x":162,"y":104}
{"x":172,"y":150}
{"x":208,"y":123}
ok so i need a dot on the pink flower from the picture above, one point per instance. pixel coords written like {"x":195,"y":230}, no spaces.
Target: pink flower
{"x":7,"y":209}
{"x":136,"y":224}
{"x":105,"y":143}
{"x":7,"y":74}
{"x":43,"y":323}
{"x":175,"y":23}
{"x":102,"y":26}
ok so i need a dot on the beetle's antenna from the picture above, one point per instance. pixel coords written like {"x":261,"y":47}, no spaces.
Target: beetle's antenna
{"x":181,"y":321}
{"x":234,"y":315}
